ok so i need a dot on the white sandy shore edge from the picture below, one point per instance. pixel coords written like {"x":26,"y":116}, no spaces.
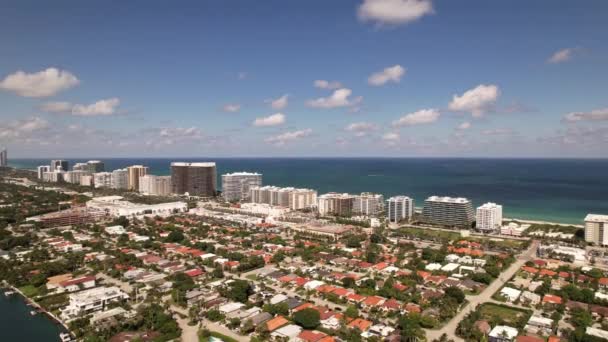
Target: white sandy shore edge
{"x":544,"y":222}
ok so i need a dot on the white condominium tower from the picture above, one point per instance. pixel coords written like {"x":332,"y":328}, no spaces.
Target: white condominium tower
{"x":448,"y":211}
{"x":292,"y":198}
{"x":102,"y":179}
{"x":336,"y":204}
{"x":155,"y":185}
{"x":120,"y":179}
{"x":235,"y":186}
{"x":74,"y":177}
{"x":489,"y":217}
{"x":596,"y":229}
{"x":42,"y":169}
{"x":368,"y":204}
{"x":58,"y":164}
{"x":400,"y":208}
{"x":134,"y":172}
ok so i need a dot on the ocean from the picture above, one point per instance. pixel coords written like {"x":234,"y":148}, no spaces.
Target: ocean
{"x":557,"y":190}
{"x":19,"y":325}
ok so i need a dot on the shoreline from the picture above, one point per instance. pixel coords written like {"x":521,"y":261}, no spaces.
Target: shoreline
{"x":39,"y":309}
{"x":521,"y":220}
{"x":561,"y":224}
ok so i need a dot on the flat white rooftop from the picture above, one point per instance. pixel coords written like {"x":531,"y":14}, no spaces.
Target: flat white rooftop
{"x":448,"y":199}
{"x":596,"y":218}
{"x":206,"y":164}
{"x":242,"y":174}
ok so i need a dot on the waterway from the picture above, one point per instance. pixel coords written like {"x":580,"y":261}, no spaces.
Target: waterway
{"x":17,"y":324}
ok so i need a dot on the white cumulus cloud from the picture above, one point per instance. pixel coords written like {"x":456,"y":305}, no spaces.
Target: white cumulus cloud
{"x":463,"y":126}
{"x":39,"y":84}
{"x":99,"y":108}
{"x":271,"y":120}
{"x":279,"y":103}
{"x":391,"y":138}
{"x":57,"y":107}
{"x":361,"y":129}
{"x":323,"y":84}
{"x":561,"y":56}
{"x":420,"y":117}
{"x":390,"y":74}
{"x":231,"y":107}
{"x":23,"y":129}
{"x":476,"y":101}
{"x":339,"y":98}
{"x":287,"y":137}
{"x":394,"y":12}
{"x":594,"y":115}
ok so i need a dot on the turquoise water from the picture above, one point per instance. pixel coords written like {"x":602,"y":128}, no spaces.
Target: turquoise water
{"x":561,"y":190}
{"x":18,"y":325}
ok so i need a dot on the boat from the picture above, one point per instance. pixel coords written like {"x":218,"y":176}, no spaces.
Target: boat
{"x":9,"y":293}
{"x":65,"y":337}
{"x":33,"y":313}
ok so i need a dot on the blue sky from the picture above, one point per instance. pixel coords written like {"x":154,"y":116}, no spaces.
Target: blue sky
{"x":397,"y":78}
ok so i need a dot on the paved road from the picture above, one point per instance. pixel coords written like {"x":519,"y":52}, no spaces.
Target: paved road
{"x":484,"y":297}
{"x":190,"y":333}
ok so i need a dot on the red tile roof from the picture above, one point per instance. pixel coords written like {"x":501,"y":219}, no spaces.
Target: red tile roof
{"x":552,"y":299}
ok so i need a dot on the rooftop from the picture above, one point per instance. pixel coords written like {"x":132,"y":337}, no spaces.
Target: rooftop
{"x":207,"y":164}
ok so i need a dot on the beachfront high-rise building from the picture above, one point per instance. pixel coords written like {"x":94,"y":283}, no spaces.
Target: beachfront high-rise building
{"x":400,"y":208}
{"x":368,"y":204}
{"x":3,"y":157}
{"x":195,"y":179}
{"x":59,"y":164}
{"x":53,"y":176}
{"x":448,"y":211}
{"x":293,"y":198}
{"x":120,"y":179}
{"x":73,"y":177}
{"x":42,"y":169}
{"x":489,"y":217}
{"x":333,"y":203}
{"x":235,"y":186}
{"x":596,"y":229}
{"x":95,"y":166}
{"x":86,"y":180}
{"x":134,"y":173}
{"x":102,"y":179}
{"x":81,"y":167}
{"x":155,"y":185}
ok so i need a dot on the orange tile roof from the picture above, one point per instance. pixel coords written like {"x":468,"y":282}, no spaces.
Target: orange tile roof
{"x":303,"y":306}
{"x":276,"y":323}
{"x":546,"y":272}
{"x":360,"y":323}
{"x":380,"y":266}
{"x":530,"y":269}
{"x":341,"y":292}
{"x":311,"y":336}
{"x":552,"y":299}
{"x":373,"y":300}
{"x":355,"y":297}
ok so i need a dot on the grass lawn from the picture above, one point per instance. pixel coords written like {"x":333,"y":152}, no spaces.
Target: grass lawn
{"x":29,"y":290}
{"x":216,"y":335}
{"x":251,"y":277}
{"x":503,"y":314}
{"x":446,"y":236}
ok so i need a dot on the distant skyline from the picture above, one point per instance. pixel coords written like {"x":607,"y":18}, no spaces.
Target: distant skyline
{"x":364,"y":78}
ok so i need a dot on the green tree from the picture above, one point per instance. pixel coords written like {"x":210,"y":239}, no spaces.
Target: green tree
{"x":351,"y":311}
{"x":307,"y":318}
